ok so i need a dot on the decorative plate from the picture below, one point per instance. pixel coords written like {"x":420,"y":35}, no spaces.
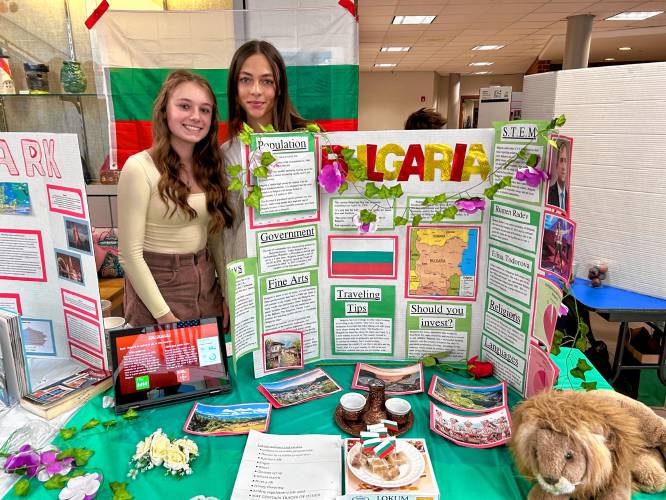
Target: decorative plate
{"x":409,"y":472}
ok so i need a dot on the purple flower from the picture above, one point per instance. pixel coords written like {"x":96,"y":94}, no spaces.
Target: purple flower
{"x":470,"y":205}
{"x":532,"y":176}
{"x":564,"y":310}
{"x":364,"y":227}
{"x":81,"y":488}
{"x":25,"y":458}
{"x":331,"y":176}
{"x":51,"y":465}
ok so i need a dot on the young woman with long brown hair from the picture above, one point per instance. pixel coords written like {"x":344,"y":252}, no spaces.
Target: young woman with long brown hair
{"x":172,"y":206}
{"x":258,"y":95}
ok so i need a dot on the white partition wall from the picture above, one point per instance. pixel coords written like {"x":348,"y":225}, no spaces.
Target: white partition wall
{"x":617,"y":116}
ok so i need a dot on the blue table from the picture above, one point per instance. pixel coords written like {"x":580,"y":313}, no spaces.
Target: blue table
{"x":617,"y":304}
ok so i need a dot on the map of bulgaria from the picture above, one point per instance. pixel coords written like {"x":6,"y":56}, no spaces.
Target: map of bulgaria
{"x":443,"y":262}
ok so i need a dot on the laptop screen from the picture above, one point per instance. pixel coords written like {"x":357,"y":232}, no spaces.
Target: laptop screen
{"x":168,"y":362}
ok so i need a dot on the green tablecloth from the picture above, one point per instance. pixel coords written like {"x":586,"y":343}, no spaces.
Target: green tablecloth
{"x":462,"y":473}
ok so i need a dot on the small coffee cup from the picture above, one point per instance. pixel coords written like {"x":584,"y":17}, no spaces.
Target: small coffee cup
{"x":106,"y":308}
{"x":114,"y":323}
{"x":352,"y":406}
{"x":398,"y":409}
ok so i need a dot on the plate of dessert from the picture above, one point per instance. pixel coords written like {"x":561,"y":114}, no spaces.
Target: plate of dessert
{"x":400,"y":467}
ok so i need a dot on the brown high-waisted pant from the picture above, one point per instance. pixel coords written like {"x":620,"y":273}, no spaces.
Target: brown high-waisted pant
{"x":187,"y":282}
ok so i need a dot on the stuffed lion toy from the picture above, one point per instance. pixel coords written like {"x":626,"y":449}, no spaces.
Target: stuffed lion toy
{"x":584,"y":445}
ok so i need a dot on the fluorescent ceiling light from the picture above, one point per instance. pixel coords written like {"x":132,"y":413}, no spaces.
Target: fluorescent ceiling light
{"x":634,"y":16}
{"x":413,"y":19}
{"x":385,"y":65}
{"x":488,"y":47}
{"x":481,"y":73}
{"x":395,"y":49}
{"x":481,"y":63}
{"x":609,"y":59}
{"x":624,"y":49}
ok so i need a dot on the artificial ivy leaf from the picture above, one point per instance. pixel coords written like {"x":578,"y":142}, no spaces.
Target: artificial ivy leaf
{"x":343,"y":187}
{"x":522,"y":154}
{"x":561,"y":120}
{"x":261,"y":172}
{"x":416,"y":220}
{"x":581,"y":344}
{"x":80,"y":455}
{"x":575,"y":372}
{"x":77,"y":473}
{"x":235,"y":185}
{"x":367,"y":216}
{"x":440,"y":198}
{"x":589,"y":386}
{"x":489,"y":192}
{"x":56,"y":482}
{"x":267,"y":158}
{"x":22,"y":488}
{"x":120,"y":491}
{"x":505,"y":182}
{"x":553,"y":143}
{"x":130,"y":414}
{"x":532,"y":160}
{"x":428,"y":361}
{"x":67,"y":432}
{"x":384,"y":193}
{"x":233,"y":170}
{"x":347,"y":154}
{"x":557,"y":341}
{"x":371,"y":190}
{"x":93,"y":422}
{"x":399,"y":221}
{"x":580,"y":369}
{"x":245,"y":135}
{"x":583,"y":329}
{"x":551,"y":125}
{"x":438,"y":217}
{"x":396,"y":191}
{"x":450,"y":212}
{"x":253,"y":198}
{"x":426,"y":201}
{"x":268,"y":128}
{"x":313,"y":127}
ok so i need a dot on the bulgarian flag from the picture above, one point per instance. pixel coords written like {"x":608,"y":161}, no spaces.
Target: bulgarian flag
{"x":362,"y":256}
{"x":385,"y":447}
{"x":138,"y":49}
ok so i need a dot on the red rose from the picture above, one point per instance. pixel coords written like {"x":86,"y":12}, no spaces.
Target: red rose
{"x":479,"y":369}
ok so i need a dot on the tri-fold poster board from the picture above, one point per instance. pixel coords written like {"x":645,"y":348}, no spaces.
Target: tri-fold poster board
{"x":47,"y":264}
{"x":481,"y":283}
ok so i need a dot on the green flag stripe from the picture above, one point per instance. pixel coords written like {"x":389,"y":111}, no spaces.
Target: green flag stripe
{"x":362,"y":257}
{"x":318,"y":92}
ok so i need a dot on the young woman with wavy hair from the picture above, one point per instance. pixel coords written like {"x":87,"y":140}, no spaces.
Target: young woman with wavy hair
{"x":172,"y":206}
{"x":258,"y":95}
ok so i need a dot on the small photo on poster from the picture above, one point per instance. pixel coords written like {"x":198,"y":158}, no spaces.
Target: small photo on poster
{"x":478,"y":431}
{"x":78,"y":235}
{"x":404,"y":380}
{"x":227,"y":420}
{"x":283,"y":350}
{"x":15,"y":198}
{"x":300,"y":388}
{"x":559,"y":168}
{"x":69,"y":266}
{"x":475,"y":399}
{"x":557,"y":247}
{"x":37,"y":335}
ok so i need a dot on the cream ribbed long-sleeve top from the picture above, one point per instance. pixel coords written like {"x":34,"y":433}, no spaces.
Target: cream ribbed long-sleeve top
{"x":144,"y":224}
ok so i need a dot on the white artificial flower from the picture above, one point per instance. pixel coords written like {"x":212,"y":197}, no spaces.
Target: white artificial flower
{"x":81,"y":487}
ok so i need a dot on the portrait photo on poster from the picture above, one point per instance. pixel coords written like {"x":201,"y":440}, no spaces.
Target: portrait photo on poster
{"x":78,"y":235}
{"x":559,"y":169}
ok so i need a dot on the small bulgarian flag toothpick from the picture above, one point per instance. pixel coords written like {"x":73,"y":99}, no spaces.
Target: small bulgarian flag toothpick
{"x":369,"y":444}
{"x":385,"y":447}
{"x":390,"y":425}
{"x":377,"y":427}
{"x":368,"y":435}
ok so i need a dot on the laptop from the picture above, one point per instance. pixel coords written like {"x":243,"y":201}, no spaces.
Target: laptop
{"x":162,"y":364}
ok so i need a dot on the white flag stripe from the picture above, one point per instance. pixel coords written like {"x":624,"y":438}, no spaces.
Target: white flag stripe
{"x":363,"y":244}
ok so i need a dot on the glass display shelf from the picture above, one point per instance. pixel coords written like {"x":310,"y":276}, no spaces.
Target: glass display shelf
{"x":51,"y":94}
